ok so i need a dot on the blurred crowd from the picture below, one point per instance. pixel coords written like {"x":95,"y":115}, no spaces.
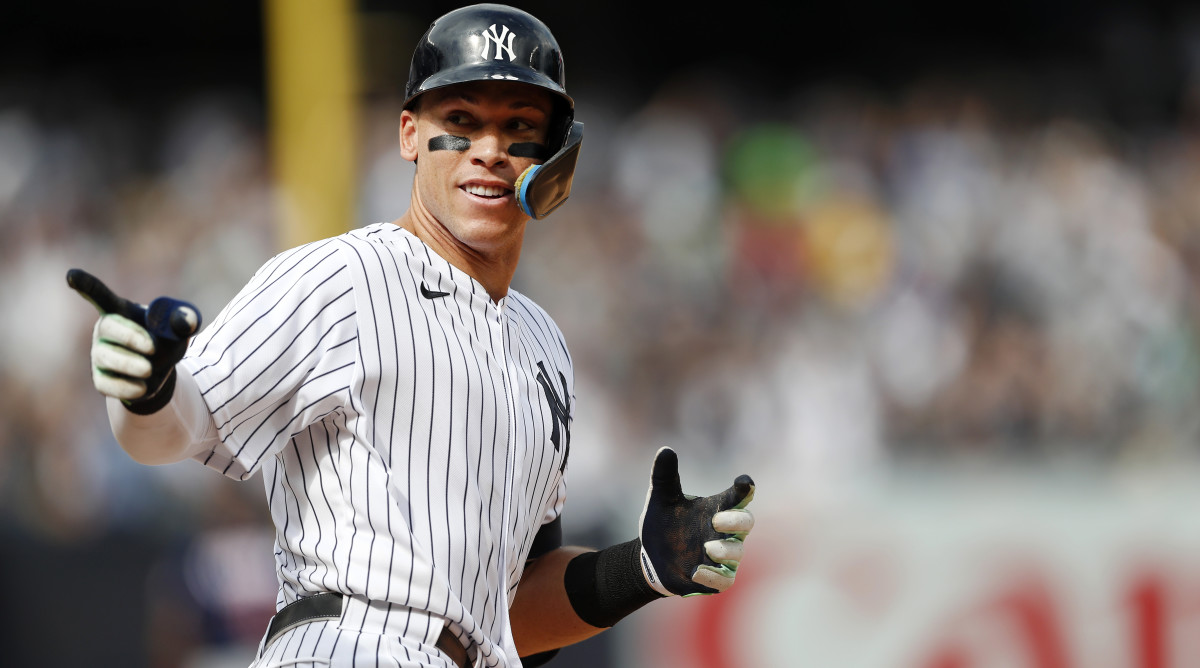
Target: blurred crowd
{"x":848,"y":280}
{"x":811,"y":287}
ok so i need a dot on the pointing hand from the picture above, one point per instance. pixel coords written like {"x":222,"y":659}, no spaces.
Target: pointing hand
{"x":135,"y":347}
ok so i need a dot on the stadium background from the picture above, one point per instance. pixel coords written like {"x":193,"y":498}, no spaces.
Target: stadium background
{"x":928,"y":271}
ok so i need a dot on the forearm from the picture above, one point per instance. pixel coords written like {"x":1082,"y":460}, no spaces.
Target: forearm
{"x":686,"y":545}
{"x":574,"y":593}
{"x":541,"y":613}
{"x":177,"y":431}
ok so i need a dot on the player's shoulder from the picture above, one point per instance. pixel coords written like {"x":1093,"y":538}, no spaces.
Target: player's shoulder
{"x":376,"y":235}
{"x":300,"y":261}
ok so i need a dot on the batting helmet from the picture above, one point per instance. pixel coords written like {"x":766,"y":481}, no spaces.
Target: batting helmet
{"x":490,"y":42}
{"x":487,"y":43}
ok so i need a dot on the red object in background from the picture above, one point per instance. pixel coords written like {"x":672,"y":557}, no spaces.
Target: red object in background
{"x":714,"y":616}
{"x":1029,"y":606}
{"x":1020,"y":607}
{"x":1148,"y":600}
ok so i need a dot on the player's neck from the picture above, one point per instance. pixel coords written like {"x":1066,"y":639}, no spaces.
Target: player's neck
{"x":493,"y":270}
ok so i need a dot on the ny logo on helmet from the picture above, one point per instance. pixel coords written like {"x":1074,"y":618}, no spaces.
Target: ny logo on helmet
{"x":490,"y":35}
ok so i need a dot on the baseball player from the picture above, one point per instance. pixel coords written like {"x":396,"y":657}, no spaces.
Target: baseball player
{"x":410,"y":413}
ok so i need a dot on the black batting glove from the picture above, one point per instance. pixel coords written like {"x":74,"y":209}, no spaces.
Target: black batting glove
{"x":135,"y":348}
{"x":690,"y":544}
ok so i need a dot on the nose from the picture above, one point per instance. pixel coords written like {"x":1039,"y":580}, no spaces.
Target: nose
{"x":488,"y":148}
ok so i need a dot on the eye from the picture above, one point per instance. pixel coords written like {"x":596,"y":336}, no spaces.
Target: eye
{"x":521,"y":125}
{"x":459,"y":119}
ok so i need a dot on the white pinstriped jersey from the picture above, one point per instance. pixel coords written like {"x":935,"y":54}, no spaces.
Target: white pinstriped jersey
{"x":409,"y":450}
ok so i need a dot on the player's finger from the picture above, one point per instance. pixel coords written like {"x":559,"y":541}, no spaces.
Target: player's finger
{"x":664,"y":478}
{"x":719,"y":578}
{"x":726,"y":552}
{"x":124,"y":332}
{"x":737,"y":522}
{"x":116,"y":386}
{"x":739,"y":494}
{"x":115,"y":359}
{"x":95,"y":291}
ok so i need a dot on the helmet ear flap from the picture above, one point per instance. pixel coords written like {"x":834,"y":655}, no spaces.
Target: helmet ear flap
{"x":543,"y":188}
{"x":560,"y":127}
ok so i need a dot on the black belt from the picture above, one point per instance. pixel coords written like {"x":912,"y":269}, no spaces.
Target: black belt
{"x":329,"y":606}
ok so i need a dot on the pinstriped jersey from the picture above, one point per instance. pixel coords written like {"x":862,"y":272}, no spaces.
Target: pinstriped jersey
{"x":412,"y":433}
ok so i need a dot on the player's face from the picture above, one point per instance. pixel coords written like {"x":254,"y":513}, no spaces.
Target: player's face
{"x":471,"y":142}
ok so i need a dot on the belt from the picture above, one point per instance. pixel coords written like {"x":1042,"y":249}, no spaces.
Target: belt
{"x":329,"y":606}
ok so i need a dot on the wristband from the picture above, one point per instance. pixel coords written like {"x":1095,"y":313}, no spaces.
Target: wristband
{"x":606,"y":586}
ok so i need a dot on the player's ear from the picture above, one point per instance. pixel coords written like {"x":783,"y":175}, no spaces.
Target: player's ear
{"x":408,"y":135}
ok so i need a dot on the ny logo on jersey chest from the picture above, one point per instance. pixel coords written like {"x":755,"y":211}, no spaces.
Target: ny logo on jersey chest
{"x":560,"y":408}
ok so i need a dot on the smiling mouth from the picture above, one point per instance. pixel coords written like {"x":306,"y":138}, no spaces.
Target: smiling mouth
{"x":488,"y":192}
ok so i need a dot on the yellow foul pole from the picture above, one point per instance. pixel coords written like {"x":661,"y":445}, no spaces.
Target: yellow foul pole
{"x":313,"y":116}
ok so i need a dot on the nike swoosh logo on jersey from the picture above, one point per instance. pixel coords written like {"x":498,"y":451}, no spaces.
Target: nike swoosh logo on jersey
{"x":431,"y":294}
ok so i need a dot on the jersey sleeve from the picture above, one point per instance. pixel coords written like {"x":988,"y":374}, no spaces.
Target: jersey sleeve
{"x":280,"y":356}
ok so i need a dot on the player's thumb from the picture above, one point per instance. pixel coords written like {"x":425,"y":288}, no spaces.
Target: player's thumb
{"x":739,"y":494}
{"x":172,"y":319}
{"x":184,"y":321}
{"x":664,"y":477}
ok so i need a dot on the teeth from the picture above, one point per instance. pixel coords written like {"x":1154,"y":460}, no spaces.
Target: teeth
{"x":485,"y":191}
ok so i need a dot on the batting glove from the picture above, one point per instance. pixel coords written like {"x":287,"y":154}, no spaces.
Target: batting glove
{"x":135,"y":347}
{"x":692,"y":545}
